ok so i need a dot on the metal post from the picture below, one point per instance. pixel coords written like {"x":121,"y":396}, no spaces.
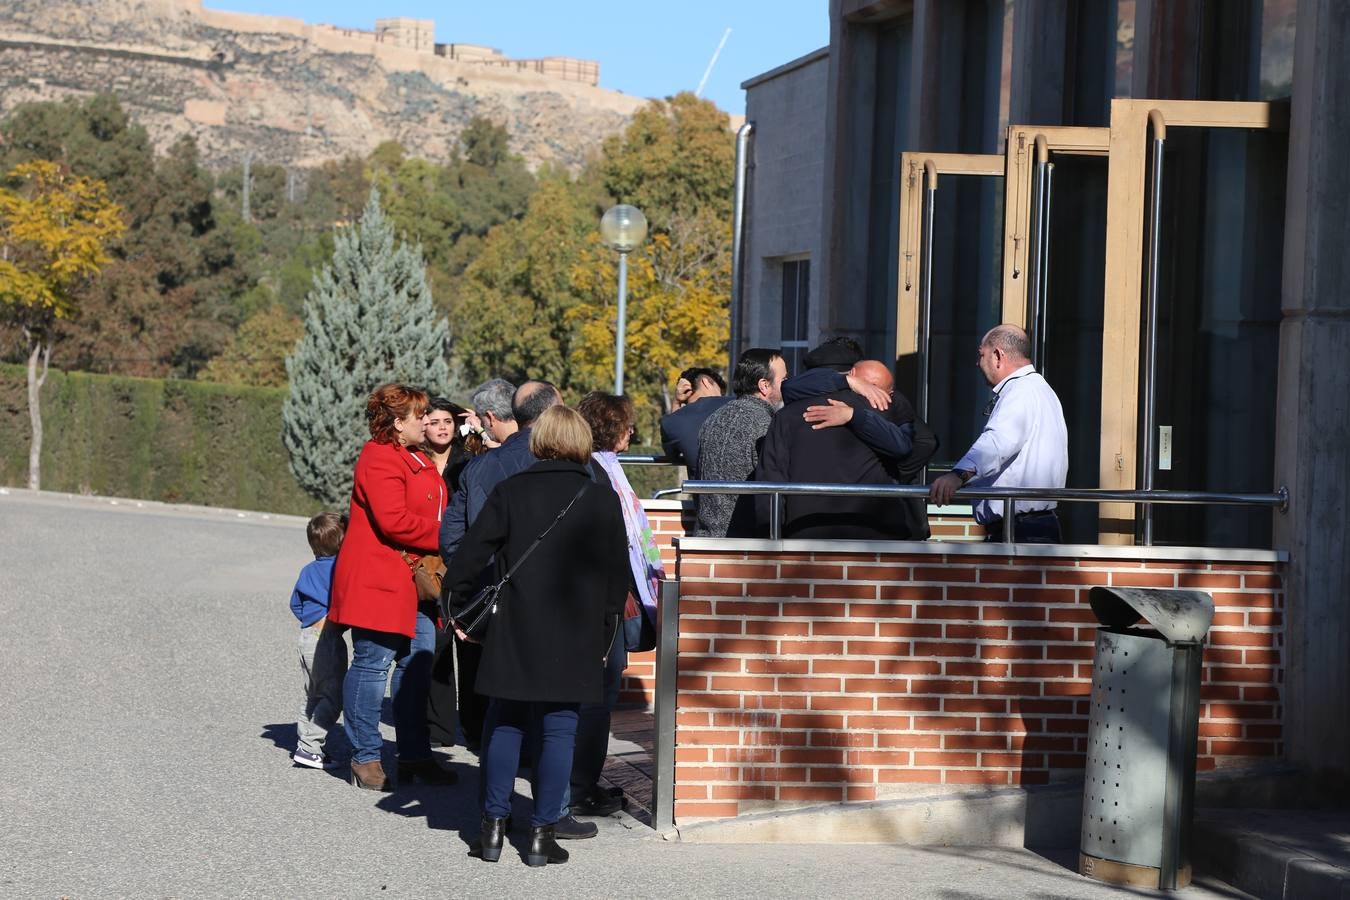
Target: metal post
{"x":1009,"y":521}
{"x":666,"y":698}
{"x":1151,"y":277}
{"x":775,"y":516}
{"x":1043,"y":272}
{"x":1034,"y":249}
{"x":623,"y":324}
{"x":737,"y":241}
{"x":926,"y":284}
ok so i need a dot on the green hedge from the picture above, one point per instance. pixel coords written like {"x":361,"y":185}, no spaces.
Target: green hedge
{"x":176,"y":441}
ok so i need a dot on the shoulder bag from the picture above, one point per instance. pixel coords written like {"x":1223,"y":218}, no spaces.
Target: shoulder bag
{"x":473,"y":618}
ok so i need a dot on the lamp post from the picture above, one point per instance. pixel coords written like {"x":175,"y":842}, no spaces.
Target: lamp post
{"x":622,"y":228}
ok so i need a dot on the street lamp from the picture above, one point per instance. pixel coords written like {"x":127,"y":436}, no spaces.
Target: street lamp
{"x":622,"y":228}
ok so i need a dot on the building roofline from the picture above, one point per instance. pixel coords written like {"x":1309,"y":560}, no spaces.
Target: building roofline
{"x":786,"y":67}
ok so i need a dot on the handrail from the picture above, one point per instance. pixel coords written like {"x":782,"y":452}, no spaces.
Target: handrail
{"x":1038,"y":252}
{"x":640,"y":459}
{"x":1149,"y":423}
{"x":1009,"y":495}
{"x":925,"y":335}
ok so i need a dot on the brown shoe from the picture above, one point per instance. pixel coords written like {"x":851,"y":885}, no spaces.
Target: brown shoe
{"x":370,"y":776}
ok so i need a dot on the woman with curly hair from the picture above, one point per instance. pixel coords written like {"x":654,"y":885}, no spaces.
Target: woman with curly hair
{"x":397,"y":501}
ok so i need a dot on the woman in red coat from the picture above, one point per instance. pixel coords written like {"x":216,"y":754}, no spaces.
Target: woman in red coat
{"x":397,"y":500}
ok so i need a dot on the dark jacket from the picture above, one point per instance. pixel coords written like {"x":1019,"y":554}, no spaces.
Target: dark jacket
{"x":793,"y":451}
{"x":679,"y":431}
{"x":556,"y":617}
{"x":476,"y":481}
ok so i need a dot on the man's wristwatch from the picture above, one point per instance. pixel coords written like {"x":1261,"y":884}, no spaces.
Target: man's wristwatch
{"x":964,"y":474}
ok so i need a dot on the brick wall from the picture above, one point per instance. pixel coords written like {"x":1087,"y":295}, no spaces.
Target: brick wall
{"x":839,"y":676}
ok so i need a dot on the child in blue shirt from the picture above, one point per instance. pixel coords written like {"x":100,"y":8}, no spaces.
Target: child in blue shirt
{"x":323,"y":651}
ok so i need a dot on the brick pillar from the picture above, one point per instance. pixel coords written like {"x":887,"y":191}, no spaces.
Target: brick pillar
{"x":1313,"y":439}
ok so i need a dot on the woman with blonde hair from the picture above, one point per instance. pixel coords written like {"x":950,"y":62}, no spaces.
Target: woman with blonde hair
{"x":544,"y":653}
{"x":397,"y":501}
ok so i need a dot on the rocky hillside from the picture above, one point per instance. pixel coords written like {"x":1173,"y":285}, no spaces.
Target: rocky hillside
{"x":275,"y":89}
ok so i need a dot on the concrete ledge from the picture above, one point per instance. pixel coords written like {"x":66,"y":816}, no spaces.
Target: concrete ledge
{"x":1048,"y":816}
{"x":1276,"y":859}
{"x":1009,"y":817}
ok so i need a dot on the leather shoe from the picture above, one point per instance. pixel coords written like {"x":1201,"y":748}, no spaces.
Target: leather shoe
{"x":543,"y":848}
{"x":569,"y":829}
{"x":425,"y":771}
{"x":370,"y":776}
{"x":491,"y":836}
{"x":596,"y":803}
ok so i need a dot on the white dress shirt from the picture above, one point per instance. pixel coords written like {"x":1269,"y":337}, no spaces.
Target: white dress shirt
{"x":1025,"y":443}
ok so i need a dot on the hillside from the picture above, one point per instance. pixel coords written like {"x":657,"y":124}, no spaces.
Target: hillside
{"x":284,"y":91}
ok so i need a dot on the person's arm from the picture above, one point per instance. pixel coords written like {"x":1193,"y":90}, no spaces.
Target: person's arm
{"x":487,"y":535}
{"x":298,"y":603}
{"x":620,"y":571}
{"x":886,"y":438}
{"x":925,"y":446}
{"x":773,"y":466}
{"x":455,"y":521}
{"x":813,"y":383}
{"x":670,"y":445}
{"x":1003,"y":436}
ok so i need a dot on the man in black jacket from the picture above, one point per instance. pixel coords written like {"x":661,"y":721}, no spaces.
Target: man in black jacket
{"x":838,"y":438}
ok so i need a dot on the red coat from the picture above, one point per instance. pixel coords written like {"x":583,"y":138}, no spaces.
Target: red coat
{"x":397,"y":500}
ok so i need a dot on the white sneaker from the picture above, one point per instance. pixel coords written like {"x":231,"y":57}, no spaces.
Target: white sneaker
{"x":314,"y":760}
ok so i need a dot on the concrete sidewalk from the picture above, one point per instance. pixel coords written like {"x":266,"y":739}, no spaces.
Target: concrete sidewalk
{"x":148,"y":713}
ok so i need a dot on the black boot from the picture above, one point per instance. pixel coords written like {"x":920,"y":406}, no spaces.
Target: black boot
{"x":543,"y":848}
{"x":491,"y":836}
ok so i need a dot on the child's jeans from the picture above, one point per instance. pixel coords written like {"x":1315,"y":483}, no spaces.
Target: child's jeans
{"x":323,"y":664}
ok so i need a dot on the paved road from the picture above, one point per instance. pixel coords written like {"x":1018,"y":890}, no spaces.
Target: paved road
{"x":146,"y":714}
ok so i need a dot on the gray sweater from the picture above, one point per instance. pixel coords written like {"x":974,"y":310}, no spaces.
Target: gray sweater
{"x":729,"y":445}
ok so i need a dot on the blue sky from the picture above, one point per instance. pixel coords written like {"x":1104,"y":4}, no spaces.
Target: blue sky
{"x":644,"y":48}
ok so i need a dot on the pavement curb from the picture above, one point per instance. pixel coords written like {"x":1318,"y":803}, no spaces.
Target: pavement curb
{"x":1264,"y":867}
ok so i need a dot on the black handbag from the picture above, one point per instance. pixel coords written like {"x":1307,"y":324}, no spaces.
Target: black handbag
{"x":475,"y":616}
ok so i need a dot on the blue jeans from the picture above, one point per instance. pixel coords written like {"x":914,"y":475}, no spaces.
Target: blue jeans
{"x":549,"y":730}
{"x":363,"y":690}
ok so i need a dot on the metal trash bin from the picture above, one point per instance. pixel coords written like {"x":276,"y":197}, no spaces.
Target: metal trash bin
{"x":1140,"y":780}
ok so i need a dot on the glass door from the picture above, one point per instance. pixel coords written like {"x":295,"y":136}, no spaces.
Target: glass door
{"x":1195,"y":210}
{"x":1054,"y":270}
{"x":949,"y":286}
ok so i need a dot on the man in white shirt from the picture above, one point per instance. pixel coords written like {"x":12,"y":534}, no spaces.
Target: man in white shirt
{"x":1025,"y":443}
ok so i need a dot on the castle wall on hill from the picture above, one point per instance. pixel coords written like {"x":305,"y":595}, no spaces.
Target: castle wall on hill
{"x":397,"y":42}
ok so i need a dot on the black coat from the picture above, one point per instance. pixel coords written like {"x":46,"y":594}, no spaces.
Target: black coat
{"x":556,"y":617}
{"x":793,"y":451}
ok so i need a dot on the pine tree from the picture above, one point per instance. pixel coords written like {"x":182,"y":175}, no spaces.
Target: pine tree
{"x":369,"y":319}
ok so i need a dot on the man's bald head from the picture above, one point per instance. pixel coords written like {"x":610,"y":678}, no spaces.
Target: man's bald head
{"x":1003,"y":350}
{"x":875,"y":373}
{"x":531,"y":399}
{"x":1012,"y":340}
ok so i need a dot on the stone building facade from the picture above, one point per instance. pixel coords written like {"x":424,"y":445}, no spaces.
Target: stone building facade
{"x":1034,"y":123}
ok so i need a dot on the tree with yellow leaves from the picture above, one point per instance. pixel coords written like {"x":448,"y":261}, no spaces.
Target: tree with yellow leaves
{"x":678,"y":285}
{"x":54,"y":231}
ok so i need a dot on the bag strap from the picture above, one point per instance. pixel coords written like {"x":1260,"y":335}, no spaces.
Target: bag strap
{"x":524,"y":556}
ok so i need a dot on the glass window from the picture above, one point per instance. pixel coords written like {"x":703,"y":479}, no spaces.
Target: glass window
{"x":796,"y":308}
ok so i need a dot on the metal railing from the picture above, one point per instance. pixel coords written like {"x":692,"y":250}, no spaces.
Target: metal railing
{"x":1008,"y":495}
